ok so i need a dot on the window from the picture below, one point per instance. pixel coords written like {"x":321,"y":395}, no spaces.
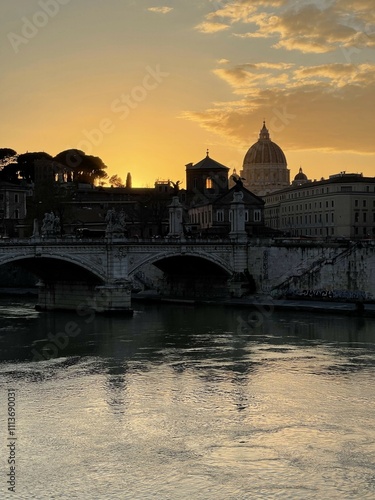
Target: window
{"x":257,"y":215}
{"x":364,"y":203}
{"x":16,"y":214}
{"x":356,"y":217}
{"x":209,"y":183}
{"x":365,"y":217}
{"x":246,"y":216}
{"x":356,"y":203}
{"x":16,"y":199}
{"x":220,"y":216}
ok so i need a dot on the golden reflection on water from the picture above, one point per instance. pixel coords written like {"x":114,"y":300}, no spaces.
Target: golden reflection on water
{"x":193,"y":402}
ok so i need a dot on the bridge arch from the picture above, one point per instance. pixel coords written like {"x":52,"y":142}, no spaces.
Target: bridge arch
{"x":47,"y":268}
{"x":174,"y":258}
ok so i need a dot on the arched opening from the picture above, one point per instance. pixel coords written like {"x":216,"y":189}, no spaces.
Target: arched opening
{"x":53,"y":270}
{"x":193,"y":277}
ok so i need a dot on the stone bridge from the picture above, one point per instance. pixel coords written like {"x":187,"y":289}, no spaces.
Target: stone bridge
{"x":97,"y":274}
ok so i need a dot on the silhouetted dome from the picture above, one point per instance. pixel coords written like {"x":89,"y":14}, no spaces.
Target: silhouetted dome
{"x":265,"y":151}
{"x":300,"y":176}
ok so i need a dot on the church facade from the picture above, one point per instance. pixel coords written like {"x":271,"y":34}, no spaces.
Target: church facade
{"x":209,"y":200}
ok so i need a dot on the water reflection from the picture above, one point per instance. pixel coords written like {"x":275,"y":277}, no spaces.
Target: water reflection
{"x":203,"y":402}
{"x":184,"y":336}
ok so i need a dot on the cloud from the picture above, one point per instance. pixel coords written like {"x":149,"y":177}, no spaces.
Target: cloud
{"x":305,"y":26}
{"x":309,"y":29}
{"x":160,"y":10}
{"x":209,"y":27}
{"x":324,"y":107}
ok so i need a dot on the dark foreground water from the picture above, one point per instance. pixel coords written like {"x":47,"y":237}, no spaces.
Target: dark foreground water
{"x":187,"y":403}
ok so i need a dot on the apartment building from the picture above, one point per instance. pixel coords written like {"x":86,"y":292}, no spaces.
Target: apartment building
{"x":341,"y":206}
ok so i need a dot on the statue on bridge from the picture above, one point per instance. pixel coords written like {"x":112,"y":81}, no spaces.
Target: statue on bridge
{"x":176,"y":187}
{"x":116,"y":223}
{"x":51,"y":225}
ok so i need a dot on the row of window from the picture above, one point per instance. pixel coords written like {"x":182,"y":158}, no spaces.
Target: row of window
{"x":15,"y":214}
{"x":316,"y":191}
{"x":205,"y":217}
{"x":319,"y":218}
{"x":364,"y":217}
{"x":317,"y":205}
{"x":16,"y":197}
{"x":308,"y":219}
{"x":330,"y":231}
{"x":364,"y":203}
{"x":308,"y":206}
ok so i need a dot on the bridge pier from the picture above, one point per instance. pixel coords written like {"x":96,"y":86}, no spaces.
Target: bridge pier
{"x":81,"y":297}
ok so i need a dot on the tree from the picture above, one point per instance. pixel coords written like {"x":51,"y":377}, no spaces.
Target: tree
{"x":128,"y":181}
{"x":86,"y":168}
{"x":7,"y":156}
{"x":26,"y":164}
{"x":116,"y":181}
{"x":8,"y":165}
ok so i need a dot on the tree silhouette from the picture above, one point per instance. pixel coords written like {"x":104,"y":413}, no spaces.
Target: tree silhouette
{"x":8,"y":165}
{"x":26,"y":164}
{"x":86,"y":168}
{"x":116,"y":181}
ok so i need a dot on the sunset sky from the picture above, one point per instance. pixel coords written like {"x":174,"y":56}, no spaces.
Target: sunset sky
{"x":148,"y":86}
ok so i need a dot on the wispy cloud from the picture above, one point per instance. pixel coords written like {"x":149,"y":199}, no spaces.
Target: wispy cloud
{"x":210,"y":27}
{"x":160,"y":10}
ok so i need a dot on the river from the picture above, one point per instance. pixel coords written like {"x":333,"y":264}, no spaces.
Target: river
{"x":183,"y":402}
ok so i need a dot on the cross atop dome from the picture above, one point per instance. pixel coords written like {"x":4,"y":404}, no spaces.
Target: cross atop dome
{"x":264,"y":134}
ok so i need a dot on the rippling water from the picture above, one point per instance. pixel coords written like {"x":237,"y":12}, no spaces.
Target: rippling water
{"x":189,"y":403}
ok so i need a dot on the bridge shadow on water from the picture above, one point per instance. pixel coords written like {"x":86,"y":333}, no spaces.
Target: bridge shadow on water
{"x":160,"y":332}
